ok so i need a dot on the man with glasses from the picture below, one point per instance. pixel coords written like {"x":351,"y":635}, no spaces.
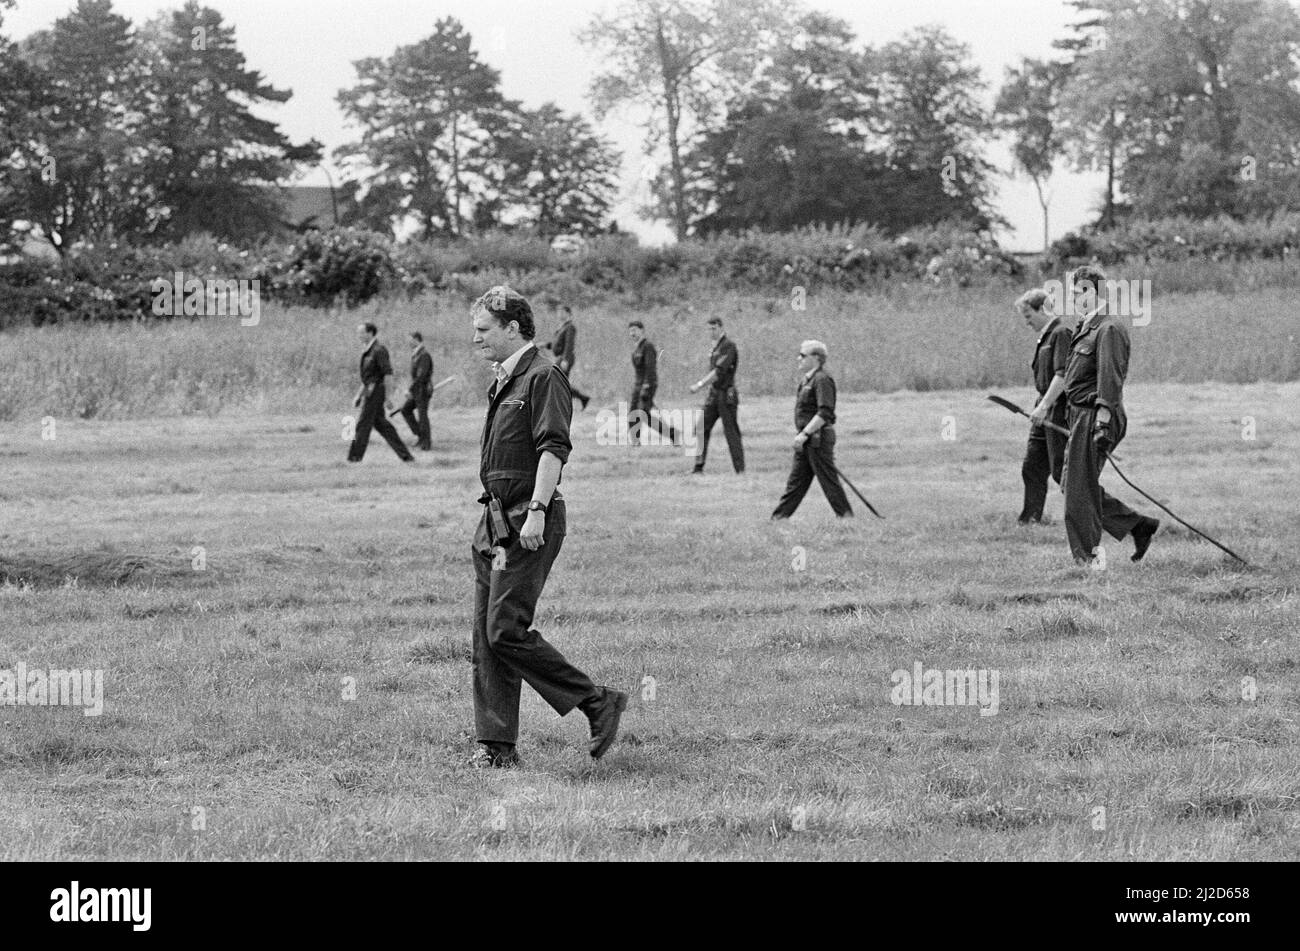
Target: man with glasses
{"x":814,"y":446}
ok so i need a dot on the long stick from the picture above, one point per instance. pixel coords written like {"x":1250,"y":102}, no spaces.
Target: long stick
{"x":1165,"y":508}
{"x":1007,"y":404}
{"x":853,"y":488}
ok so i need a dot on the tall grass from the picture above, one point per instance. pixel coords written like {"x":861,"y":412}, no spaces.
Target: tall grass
{"x":904,"y":336}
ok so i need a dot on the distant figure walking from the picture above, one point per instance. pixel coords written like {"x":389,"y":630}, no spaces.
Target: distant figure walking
{"x":721,"y":402}
{"x":814,"y":446}
{"x":416,"y":408}
{"x":645,"y":383}
{"x":563,"y":349}
{"x":375,"y":365}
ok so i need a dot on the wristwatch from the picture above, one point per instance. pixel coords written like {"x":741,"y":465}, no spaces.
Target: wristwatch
{"x":535,"y":506}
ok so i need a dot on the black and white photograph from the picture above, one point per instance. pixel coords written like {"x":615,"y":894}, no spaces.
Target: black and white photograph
{"x":650,"y":431}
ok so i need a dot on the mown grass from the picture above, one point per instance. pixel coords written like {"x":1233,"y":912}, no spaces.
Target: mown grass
{"x":908,"y":336}
{"x":770,"y":732}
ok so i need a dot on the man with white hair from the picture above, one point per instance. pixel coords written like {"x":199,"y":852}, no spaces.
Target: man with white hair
{"x":814,"y":446}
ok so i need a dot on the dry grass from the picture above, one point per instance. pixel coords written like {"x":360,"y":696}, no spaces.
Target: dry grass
{"x":770,"y":733}
{"x":298,"y":362}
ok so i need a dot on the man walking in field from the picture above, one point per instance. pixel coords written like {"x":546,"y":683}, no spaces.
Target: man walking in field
{"x":375,"y":365}
{"x":524,"y":448}
{"x":563,"y":349}
{"x":1045,"y":452}
{"x":645,"y":369}
{"x":416,"y":408}
{"x":1094,"y":387}
{"x":721,"y":400}
{"x":814,"y":446}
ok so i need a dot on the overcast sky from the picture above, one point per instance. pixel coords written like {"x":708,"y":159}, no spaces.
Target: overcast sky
{"x":309,"y":46}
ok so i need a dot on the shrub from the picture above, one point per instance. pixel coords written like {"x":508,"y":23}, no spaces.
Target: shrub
{"x":322,"y":266}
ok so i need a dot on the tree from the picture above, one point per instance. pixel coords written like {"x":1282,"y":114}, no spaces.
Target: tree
{"x":428,"y":114}
{"x":1194,"y":105}
{"x":792,"y":150}
{"x":557,"y":173}
{"x":216,"y":166}
{"x":19,"y":98}
{"x":77,"y":167}
{"x":1027,"y":109}
{"x":680,"y":59}
{"x":933,"y":122}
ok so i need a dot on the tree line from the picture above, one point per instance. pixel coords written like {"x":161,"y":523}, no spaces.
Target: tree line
{"x":758,"y":114}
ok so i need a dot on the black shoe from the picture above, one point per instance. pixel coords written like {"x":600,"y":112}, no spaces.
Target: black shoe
{"x":584,"y":400}
{"x":604,"y":712}
{"x":1142,"y":535}
{"x":494,"y":756}
{"x":697,"y":471}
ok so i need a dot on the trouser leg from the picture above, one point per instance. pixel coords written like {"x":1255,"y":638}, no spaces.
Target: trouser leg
{"x":661,"y":426}
{"x":409,"y":414}
{"x":425,"y":434}
{"x":496,"y":684}
{"x":365,"y":422}
{"x":636,"y":417}
{"x":513,"y":592}
{"x":710,"y":419}
{"x":822,"y":459}
{"x":731,"y":428}
{"x":1034,"y":471}
{"x":1056,"y":445}
{"x":1089,"y":509}
{"x":387,"y":429}
{"x":796,"y":486}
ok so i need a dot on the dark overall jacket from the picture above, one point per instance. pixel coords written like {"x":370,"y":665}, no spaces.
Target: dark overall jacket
{"x":527,"y":415}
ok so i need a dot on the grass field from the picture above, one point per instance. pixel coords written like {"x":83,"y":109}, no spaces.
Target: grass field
{"x":761,"y":726}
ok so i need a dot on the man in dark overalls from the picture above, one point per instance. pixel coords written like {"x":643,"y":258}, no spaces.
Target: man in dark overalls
{"x":645,"y":370}
{"x":1045,"y":453}
{"x":1094,"y":386}
{"x":814,"y":446}
{"x":524,"y":448}
{"x":721,"y":400}
{"x":563,"y":349}
{"x":375,"y":365}
{"x":416,"y":408}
